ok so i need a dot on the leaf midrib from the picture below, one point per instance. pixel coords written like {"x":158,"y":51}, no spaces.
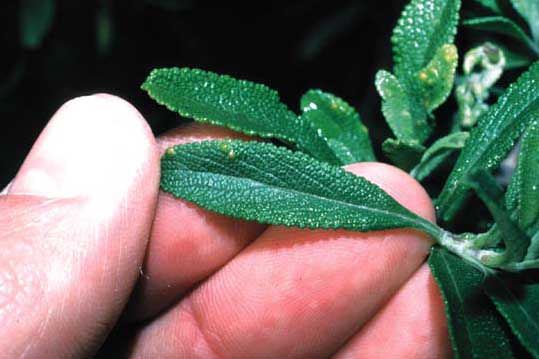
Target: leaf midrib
{"x":415,"y":222}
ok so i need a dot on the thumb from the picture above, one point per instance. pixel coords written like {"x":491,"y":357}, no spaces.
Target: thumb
{"x":73,"y":229}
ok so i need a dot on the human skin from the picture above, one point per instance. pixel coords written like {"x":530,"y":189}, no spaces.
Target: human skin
{"x":86,"y":238}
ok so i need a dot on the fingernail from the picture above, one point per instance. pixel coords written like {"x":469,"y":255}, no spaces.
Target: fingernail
{"x":93,"y":145}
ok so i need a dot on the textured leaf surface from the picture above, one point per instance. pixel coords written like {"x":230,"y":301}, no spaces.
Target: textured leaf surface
{"x":339,"y":125}
{"x":241,"y":105}
{"x":424,"y":26}
{"x":437,"y":78}
{"x":529,"y":10}
{"x":402,"y":154}
{"x":402,"y":117}
{"x":475,"y":328}
{"x":438,"y":152}
{"x":36,"y":18}
{"x":523,"y":193}
{"x":492,"y":138}
{"x":519,"y":305}
{"x":270,"y":184}
{"x":500,"y":25}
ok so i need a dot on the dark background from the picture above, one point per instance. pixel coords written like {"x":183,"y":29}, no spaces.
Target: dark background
{"x":290,"y":46}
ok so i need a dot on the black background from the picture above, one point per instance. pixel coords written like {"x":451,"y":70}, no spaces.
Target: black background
{"x":290,"y":46}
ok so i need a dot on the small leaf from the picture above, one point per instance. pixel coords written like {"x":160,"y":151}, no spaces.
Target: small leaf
{"x":437,"y":78}
{"x":492,"y":138}
{"x":424,"y":27}
{"x":475,"y":328}
{"x":36,"y":17}
{"x":529,"y":10}
{"x":404,"y":155}
{"x":438,"y":153}
{"x":523,"y":193}
{"x":519,"y":305}
{"x":273,"y":185}
{"x":339,"y":125}
{"x":403,"y":119}
{"x":516,"y":241}
{"x":501,"y":25}
{"x":241,"y":105}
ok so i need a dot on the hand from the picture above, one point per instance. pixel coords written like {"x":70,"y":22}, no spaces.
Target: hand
{"x":74,"y":226}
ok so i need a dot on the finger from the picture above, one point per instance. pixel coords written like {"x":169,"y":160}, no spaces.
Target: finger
{"x":295,"y":293}
{"x":74,"y":227}
{"x":411,"y":325}
{"x":187,"y":243}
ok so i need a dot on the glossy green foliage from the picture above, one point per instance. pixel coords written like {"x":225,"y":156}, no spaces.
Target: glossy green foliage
{"x":492,"y":138}
{"x":240,"y":105}
{"x":438,"y":153}
{"x":423,"y":28}
{"x":273,"y":185}
{"x":515,"y":240}
{"x":402,"y":154}
{"x":424,"y":71}
{"x":501,"y":25}
{"x":36,"y":18}
{"x":529,"y":10}
{"x":339,"y":125}
{"x":518,"y":301}
{"x":243,"y":106}
{"x":475,"y":328}
{"x":407,"y":120}
{"x":523,"y":193}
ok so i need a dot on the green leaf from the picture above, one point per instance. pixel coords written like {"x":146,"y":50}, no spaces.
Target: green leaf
{"x":438,"y":153}
{"x":339,"y":125}
{"x":516,"y":241}
{"x":501,"y":25}
{"x":492,"y":5}
{"x":404,"y":155}
{"x":437,"y":78}
{"x":402,"y":117}
{"x":273,"y":185}
{"x":519,"y":305}
{"x":36,"y":17}
{"x":529,"y":10}
{"x":492,"y":138}
{"x":424,"y":27}
{"x":475,"y":329}
{"x":240,"y":105}
{"x":523,"y":193}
